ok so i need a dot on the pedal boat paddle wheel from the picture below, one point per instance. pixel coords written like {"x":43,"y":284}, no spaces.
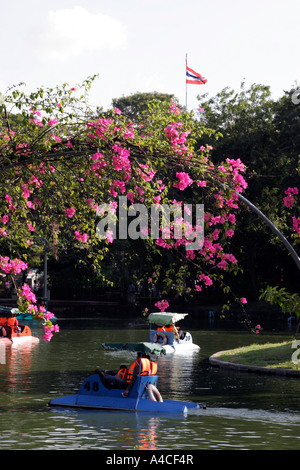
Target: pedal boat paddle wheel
{"x":143,"y":396}
{"x":163,"y":331}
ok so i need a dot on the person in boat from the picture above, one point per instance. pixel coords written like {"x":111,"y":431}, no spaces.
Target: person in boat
{"x":125,"y":377}
{"x":2,"y":331}
{"x":170,"y":329}
{"x":112,"y":378}
{"x":141,"y":366}
{"x":13,"y":323}
{"x":5,"y":329}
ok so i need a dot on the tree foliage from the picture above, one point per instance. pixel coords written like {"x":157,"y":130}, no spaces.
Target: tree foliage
{"x":264,"y":133}
{"x":61,"y":163}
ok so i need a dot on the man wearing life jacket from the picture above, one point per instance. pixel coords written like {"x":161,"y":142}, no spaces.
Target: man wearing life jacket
{"x":141,"y":366}
{"x":169,"y":329}
{"x":13,"y":323}
{"x":153,"y":367}
{"x":125,"y":378}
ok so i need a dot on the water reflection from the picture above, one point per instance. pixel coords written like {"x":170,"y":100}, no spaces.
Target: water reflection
{"x":15,"y":374}
{"x":177,"y":373}
{"x":139,"y":431}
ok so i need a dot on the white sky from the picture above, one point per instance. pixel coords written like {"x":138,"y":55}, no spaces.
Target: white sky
{"x":140,"y":45}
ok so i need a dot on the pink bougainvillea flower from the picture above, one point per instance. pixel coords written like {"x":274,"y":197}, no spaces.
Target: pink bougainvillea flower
{"x":84,"y":238}
{"x":70,"y":212}
{"x":162,"y":305}
{"x":52,"y":122}
{"x":296,"y":224}
{"x":288,"y":201}
{"x":185,"y":180}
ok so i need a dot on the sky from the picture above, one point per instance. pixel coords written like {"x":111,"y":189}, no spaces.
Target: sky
{"x":142,"y":45}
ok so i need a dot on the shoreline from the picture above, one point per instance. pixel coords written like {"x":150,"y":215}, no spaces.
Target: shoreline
{"x":214,"y":361}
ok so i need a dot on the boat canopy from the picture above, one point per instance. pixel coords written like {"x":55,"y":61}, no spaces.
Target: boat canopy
{"x":165,"y":318}
{"x":9,"y":310}
{"x":143,"y":347}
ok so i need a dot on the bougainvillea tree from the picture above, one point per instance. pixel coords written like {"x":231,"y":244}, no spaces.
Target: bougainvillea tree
{"x":64,"y":166}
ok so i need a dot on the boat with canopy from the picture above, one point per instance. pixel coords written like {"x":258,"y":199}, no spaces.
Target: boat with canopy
{"x":163,"y":331}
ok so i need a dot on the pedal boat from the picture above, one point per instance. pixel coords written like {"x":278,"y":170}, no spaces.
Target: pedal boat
{"x":26,"y":317}
{"x":182,"y":344}
{"x":143,"y":396}
{"x":21,"y":335}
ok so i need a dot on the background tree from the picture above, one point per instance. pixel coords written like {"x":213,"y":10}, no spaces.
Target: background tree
{"x":265,"y":134}
{"x":135,"y":105}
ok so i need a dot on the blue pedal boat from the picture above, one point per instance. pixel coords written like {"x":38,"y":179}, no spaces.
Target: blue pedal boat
{"x":143,"y":396}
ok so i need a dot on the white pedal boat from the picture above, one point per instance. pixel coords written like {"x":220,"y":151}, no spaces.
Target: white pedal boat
{"x":172,"y":338}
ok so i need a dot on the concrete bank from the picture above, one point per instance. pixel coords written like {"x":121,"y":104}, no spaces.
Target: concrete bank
{"x":215,"y":361}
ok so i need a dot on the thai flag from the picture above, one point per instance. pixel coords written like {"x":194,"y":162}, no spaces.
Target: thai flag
{"x":194,"y":78}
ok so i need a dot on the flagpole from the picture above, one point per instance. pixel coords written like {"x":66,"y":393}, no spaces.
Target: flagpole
{"x":185,"y":83}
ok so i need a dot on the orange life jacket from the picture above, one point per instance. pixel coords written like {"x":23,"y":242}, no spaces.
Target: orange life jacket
{"x":153,"y":368}
{"x":168,"y":328}
{"x":144,"y":365}
{"x":3,"y":321}
{"x":122,"y":373}
{"x":12,"y":322}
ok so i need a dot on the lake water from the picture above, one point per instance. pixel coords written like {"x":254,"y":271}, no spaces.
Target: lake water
{"x":244,"y":410}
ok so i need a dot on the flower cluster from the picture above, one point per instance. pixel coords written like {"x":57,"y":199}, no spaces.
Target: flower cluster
{"x":162,"y":305}
{"x":296,"y":224}
{"x":83,"y":238}
{"x":12,"y":266}
{"x":288,"y":200}
{"x":258,"y":329}
{"x":206,"y":279}
{"x":27,"y":303}
{"x":185,"y":180}
{"x":178,"y":139}
{"x":27,"y":293}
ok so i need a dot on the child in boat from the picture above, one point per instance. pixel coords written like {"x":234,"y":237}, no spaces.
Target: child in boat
{"x":125,"y":378}
{"x":112,"y":378}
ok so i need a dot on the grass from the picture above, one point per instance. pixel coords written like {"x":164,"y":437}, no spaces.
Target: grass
{"x":273,"y":355}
